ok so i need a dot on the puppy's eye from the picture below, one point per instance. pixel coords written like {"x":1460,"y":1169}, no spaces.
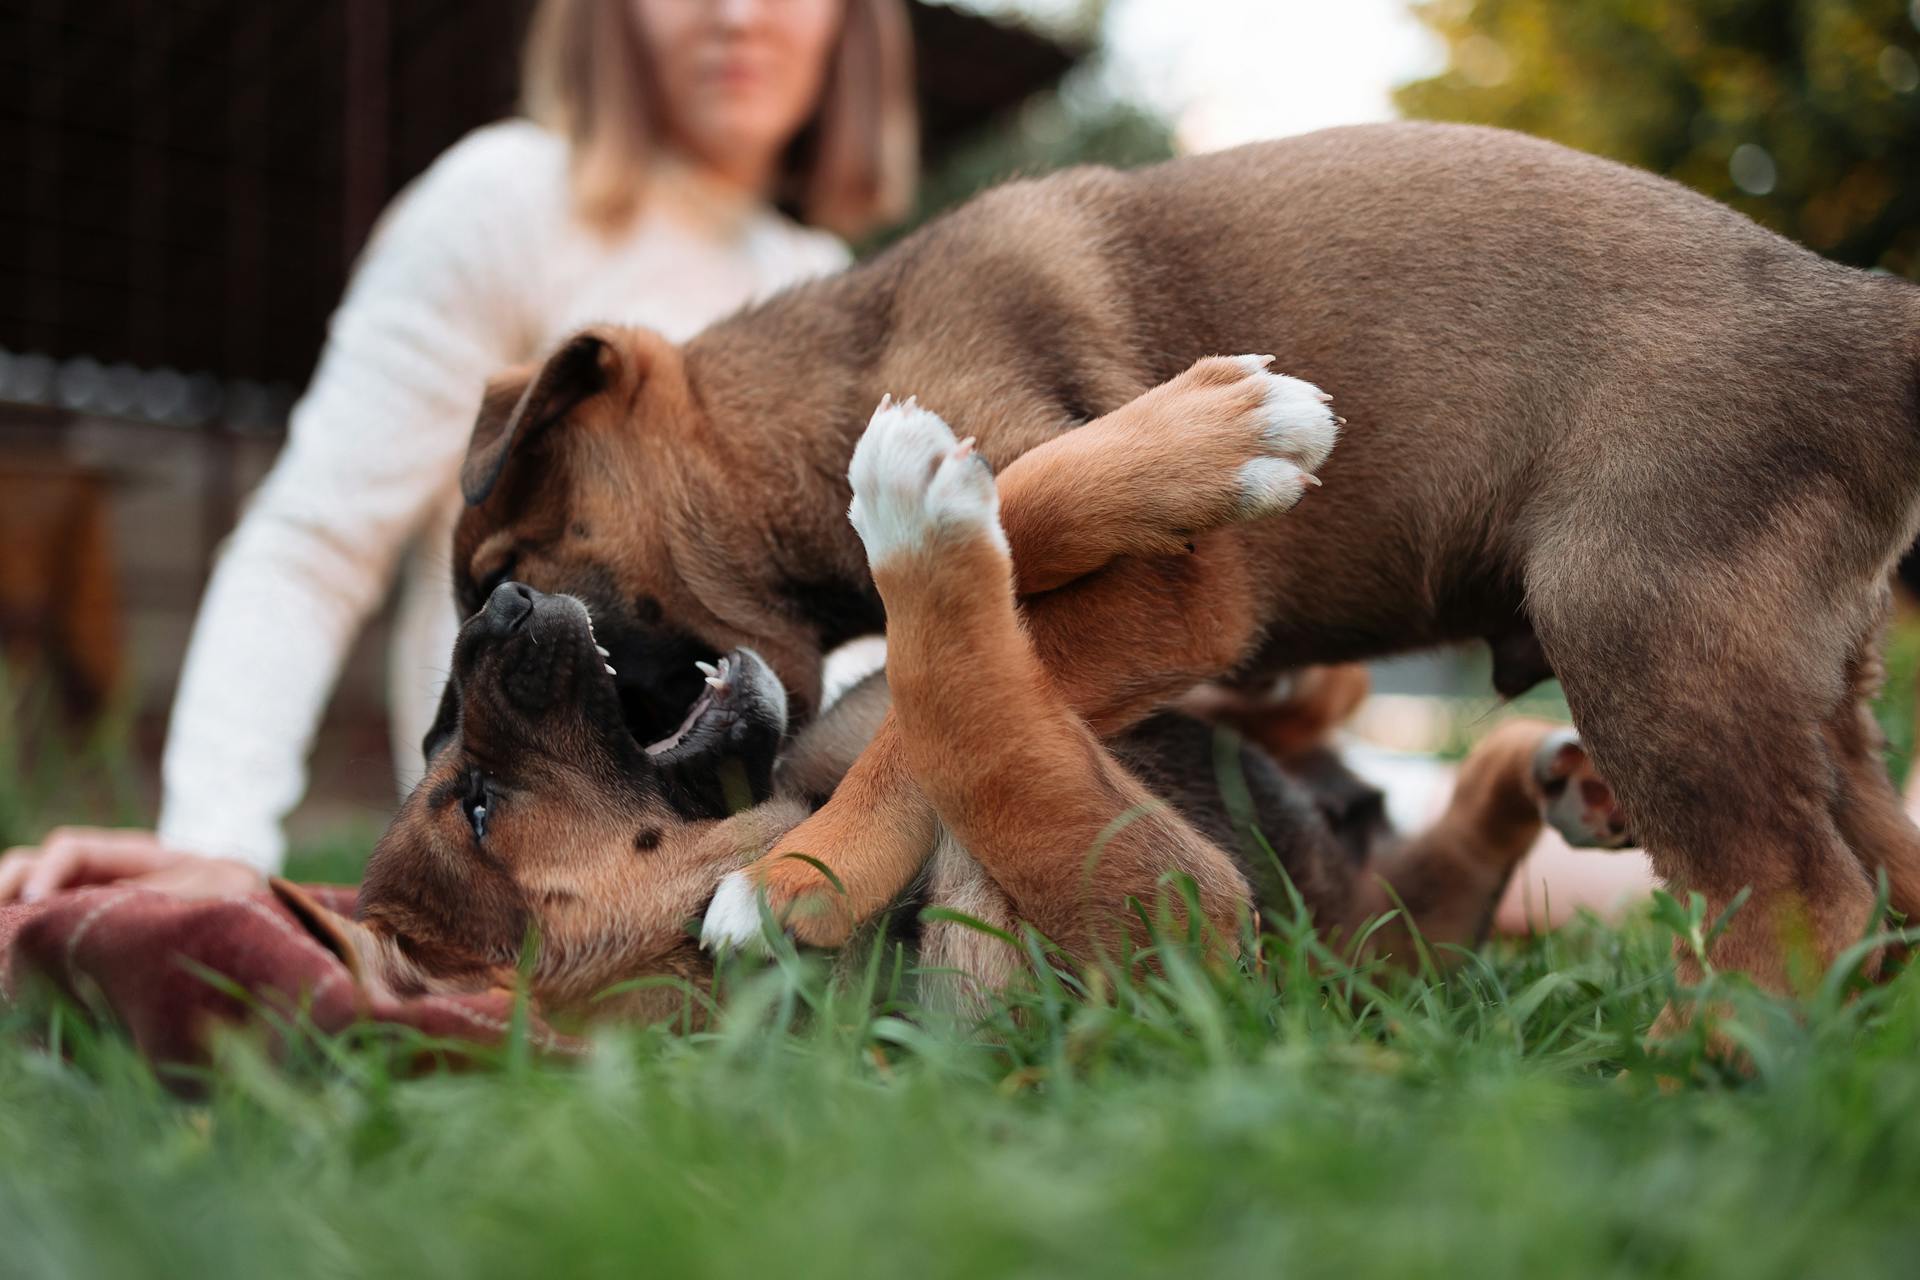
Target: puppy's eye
{"x":478,"y":802}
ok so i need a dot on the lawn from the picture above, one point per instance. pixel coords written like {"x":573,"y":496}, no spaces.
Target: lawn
{"x":1287,"y":1115}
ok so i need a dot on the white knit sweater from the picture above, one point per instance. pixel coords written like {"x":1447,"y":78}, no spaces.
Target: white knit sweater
{"x":479,"y":264}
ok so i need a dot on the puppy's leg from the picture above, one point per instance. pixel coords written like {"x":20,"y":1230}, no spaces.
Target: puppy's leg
{"x":872,"y":837}
{"x":1449,"y":878}
{"x":1286,"y":715}
{"x":1020,"y":781}
{"x":1117,"y":643}
{"x":1711,"y":731}
{"x":963,"y":965}
{"x":1223,"y":442}
{"x":1115,"y":646}
{"x":1872,"y":819}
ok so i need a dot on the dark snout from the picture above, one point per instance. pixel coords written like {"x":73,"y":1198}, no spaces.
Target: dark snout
{"x":477,"y":652}
{"x":529,"y":670}
{"x":527,"y":663}
{"x":510,"y":605}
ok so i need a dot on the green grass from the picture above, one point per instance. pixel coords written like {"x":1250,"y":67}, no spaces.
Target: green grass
{"x":1288,"y":1117}
{"x":1294,"y":1119}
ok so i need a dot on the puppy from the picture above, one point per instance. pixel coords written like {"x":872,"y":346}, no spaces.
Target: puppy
{"x":1618,"y":432}
{"x":542,"y":815}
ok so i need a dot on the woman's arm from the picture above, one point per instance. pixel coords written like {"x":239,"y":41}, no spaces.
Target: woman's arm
{"x":374,"y":444}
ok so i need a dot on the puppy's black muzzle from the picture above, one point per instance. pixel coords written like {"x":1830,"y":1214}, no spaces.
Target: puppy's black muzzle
{"x":510,"y":605}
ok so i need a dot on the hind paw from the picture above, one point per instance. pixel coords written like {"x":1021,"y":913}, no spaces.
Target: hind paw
{"x":915,"y":485}
{"x":1575,"y":800}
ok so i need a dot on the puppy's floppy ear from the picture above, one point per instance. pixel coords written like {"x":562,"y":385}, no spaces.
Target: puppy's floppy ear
{"x":512,"y":412}
{"x":352,"y":943}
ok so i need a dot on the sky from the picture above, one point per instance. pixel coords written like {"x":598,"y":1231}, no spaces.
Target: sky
{"x":1231,"y":71}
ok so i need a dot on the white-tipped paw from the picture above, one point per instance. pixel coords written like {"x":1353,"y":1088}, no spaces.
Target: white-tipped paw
{"x":1295,"y":429}
{"x":732,"y":921}
{"x":915,"y":484}
{"x":1575,"y":800}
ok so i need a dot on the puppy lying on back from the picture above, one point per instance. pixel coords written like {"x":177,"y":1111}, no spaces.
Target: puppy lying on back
{"x":542,"y":812}
{"x":1620,"y":433}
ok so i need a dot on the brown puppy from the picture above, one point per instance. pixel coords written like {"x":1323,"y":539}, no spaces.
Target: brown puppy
{"x":1619,"y":432}
{"x":542,"y":814}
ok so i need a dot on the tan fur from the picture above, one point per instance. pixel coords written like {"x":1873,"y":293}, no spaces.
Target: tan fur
{"x":598,"y":909}
{"x":998,"y":722}
{"x":1064,"y":835}
{"x":1289,"y":715}
{"x":1119,"y":627}
{"x":1594,"y":419}
{"x":1450,"y":878}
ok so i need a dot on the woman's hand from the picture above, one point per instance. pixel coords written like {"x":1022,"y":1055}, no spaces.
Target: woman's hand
{"x":76,"y":856}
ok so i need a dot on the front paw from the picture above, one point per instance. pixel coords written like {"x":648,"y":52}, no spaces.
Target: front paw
{"x":915,"y":485}
{"x":733,"y":921}
{"x":789,"y":895}
{"x":1231,"y":441}
{"x":1284,"y":427}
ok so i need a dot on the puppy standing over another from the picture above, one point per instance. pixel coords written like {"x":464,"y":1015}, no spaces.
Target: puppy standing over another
{"x":541,"y":810}
{"x":1619,"y":432}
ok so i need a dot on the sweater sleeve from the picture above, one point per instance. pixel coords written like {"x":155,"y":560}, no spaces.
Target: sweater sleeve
{"x":373,"y":445}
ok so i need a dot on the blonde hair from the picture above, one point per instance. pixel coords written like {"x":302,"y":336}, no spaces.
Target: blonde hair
{"x":850,"y":169}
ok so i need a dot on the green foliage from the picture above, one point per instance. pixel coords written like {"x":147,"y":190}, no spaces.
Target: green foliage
{"x":1804,"y":114}
{"x":335,"y":857}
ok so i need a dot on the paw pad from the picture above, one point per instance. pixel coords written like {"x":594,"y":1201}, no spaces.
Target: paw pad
{"x":1576,"y":800}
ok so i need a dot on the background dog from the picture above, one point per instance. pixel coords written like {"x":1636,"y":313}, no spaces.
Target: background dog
{"x":542,"y":815}
{"x":1617,"y":431}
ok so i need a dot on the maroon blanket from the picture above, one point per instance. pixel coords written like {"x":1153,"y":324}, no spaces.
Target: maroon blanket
{"x":144,"y":956}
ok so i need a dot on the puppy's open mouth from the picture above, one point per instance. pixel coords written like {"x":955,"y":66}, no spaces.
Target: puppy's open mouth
{"x":736,"y":689}
{"x":711,"y":703}
{"x":720,"y":757}
{"x":715,"y":703}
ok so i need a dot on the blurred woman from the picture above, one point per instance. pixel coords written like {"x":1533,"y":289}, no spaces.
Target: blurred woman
{"x":661,"y":139}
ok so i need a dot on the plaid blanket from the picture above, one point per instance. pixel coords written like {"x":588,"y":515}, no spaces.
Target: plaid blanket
{"x":145,"y":958}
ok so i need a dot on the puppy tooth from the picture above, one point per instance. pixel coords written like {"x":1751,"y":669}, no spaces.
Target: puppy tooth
{"x":716,"y":684}
{"x":610,"y":670}
{"x":1339,"y":420}
{"x":1310,"y":478}
{"x":1324,"y":397}
{"x":602,"y":651}
{"x":707,"y":668}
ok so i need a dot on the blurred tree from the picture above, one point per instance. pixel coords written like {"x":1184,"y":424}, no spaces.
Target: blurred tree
{"x":1805,"y":114}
